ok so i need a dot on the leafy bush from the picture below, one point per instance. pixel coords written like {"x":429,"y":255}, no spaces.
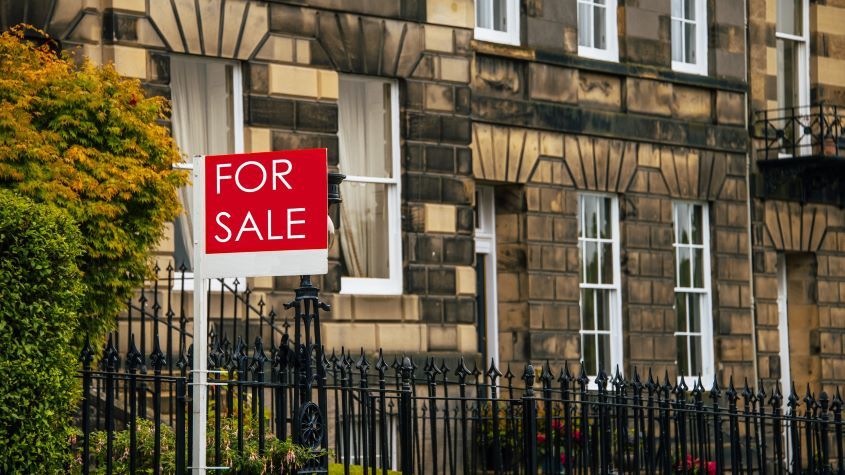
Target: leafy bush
{"x":280,"y":456}
{"x":39,"y":297}
{"x":87,"y":140}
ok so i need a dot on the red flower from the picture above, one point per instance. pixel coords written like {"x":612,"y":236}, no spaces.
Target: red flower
{"x":562,"y":458}
{"x":576,"y":435}
{"x":711,"y":468}
{"x":557,"y":426}
{"x":541,"y":438}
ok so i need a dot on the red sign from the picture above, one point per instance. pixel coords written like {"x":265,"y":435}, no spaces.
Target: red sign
{"x":260,"y":206}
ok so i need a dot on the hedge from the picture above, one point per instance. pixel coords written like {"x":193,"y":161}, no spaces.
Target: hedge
{"x":40,"y":291}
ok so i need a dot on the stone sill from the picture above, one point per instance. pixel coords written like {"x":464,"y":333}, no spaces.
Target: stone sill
{"x":619,"y":69}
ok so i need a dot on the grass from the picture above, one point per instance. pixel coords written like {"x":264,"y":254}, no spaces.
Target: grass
{"x":337,"y":469}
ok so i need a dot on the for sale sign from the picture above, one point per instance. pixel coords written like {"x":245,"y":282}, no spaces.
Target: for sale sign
{"x":262,"y":214}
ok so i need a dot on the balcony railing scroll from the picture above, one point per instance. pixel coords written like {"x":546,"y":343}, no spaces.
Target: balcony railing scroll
{"x":813,"y":131}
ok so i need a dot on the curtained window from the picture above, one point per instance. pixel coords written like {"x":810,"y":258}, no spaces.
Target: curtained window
{"x":597,"y":30}
{"x":368,"y":132}
{"x":601,"y":319}
{"x":497,"y":21}
{"x":206,"y":120}
{"x":689,"y":36}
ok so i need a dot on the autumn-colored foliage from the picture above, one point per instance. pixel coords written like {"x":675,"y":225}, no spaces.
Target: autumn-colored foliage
{"x":86,"y":140}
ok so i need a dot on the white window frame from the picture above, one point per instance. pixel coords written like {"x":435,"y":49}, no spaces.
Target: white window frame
{"x":391,"y":285}
{"x":615,"y":332}
{"x":708,"y":366}
{"x":700,"y":22}
{"x":611,"y":53}
{"x":508,"y":37}
{"x":485,"y":244}
{"x":215,"y":285}
{"x":803,"y":44}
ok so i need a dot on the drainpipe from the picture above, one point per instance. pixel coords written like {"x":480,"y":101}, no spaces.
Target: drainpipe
{"x":750,"y":203}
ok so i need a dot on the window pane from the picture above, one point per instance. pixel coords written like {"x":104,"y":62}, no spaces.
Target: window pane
{"x":681,"y":312}
{"x":500,"y":15}
{"x":604,"y":353}
{"x":694,"y":307}
{"x":363,"y":229}
{"x":607,"y":263}
{"x":588,"y":309}
{"x":677,"y":10}
{"x":599,"y":25}
{"x":585,"y":22}
{"x":689,"y":43}
{"x":603,"y":309}
{"x":483,"y":13}
{"x":590,"y":224}
{"x":684,"y":265}
{"x":683,"y":361}
{"x":790,"y":17}
{"x":689,"y":9}
{"x":695,"y":355}
{"x":591,"y":263}
{"x":365,"y":127}
{"x":698,"y":279}
{"x":677,"y":41}
{"x":606,"y":217}
{"x":787,"y":78}
{"x":682,"y":224}
{"x":697,"y":224}
{"x":588,"y":353}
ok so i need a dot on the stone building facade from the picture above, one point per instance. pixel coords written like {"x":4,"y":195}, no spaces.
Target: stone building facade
{"x":557,"y":180}
{"x":797,"y":77}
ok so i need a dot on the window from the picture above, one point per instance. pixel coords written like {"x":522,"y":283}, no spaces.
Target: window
{"x":485,"y":274}
{"x":689,"y":36}
{"x":692,"y":292}
{"x":497,"y":21}
{"x":601,"y":321}
{"x":369,"y":234}
{"x":597,"y":29}
{"x":207,"y":119}
{"x":793,"y":79}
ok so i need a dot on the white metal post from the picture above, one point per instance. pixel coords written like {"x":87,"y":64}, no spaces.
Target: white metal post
{"x":200,"y":363}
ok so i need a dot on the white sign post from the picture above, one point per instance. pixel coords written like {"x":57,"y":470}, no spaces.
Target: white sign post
{"x":257,"y":214}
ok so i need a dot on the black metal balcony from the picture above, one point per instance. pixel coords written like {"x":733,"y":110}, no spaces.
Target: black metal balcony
{"x":800,"y":154}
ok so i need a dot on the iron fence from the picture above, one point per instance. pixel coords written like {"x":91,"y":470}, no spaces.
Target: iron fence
{"x":812,"y":131}
{"x":429,"y":417}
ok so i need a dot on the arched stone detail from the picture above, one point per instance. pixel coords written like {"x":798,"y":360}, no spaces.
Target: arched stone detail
{"x":690,"y":173}
{"x":599,"y":164}
{"x":215,"y":28}
{"x":366,"y":45}
{"x":505,"y":154}
{"x":795,"y":227}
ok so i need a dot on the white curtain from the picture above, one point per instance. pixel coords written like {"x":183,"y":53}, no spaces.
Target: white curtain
{"x":364,"y":136}
{"x":202,"y":122}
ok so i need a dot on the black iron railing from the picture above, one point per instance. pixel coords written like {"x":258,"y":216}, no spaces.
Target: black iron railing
{"x":160,"y":310}
{"x":427,"y":417}
{"x":814,"y":131}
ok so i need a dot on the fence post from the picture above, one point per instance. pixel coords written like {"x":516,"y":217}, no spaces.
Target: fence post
{"x":406,"y":435}
{"x":836,"y":408}
{"x":180,"y":424}
{"x":824,"y":458}
{"x":86,"y":358}
{"x":529,"y":421}
{"x":715,"y":395}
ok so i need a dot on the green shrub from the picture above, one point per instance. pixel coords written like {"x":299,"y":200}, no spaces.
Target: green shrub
{"x":39,"y":295}
{"x":86,"y":140}
{"x":280,"y":456}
